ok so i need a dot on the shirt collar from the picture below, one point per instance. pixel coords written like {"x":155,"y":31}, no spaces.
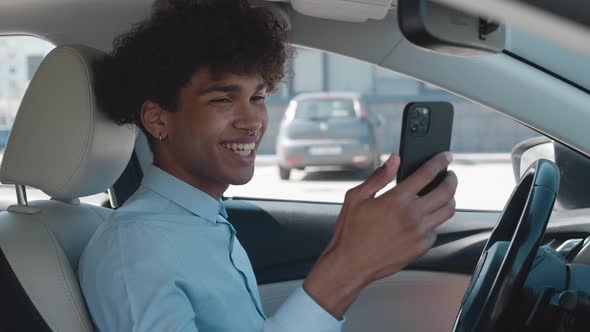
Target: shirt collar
{"x":183,"y":194}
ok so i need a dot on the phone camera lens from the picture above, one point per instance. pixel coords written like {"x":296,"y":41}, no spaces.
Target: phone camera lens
{"x":423,"y":111}
{"x":414,"y":128}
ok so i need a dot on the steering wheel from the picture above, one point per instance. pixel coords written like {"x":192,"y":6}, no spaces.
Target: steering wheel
{"x":508,"y":255}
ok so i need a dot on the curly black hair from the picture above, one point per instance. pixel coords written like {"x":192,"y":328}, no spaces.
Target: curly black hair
{"x":159,"y":55}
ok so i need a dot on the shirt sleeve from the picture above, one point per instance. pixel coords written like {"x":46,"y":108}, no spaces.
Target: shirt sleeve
{"x":301,"y":313}
{"x":128,"y":278}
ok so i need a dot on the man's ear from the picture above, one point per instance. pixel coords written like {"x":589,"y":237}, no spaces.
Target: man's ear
{"x":154,"y":119}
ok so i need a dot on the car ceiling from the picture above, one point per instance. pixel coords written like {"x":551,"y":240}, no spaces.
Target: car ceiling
{"x":491,"y":81}
{"x":566,"y":22}
{"x":74,"y":20}
{"x":566,"y":62}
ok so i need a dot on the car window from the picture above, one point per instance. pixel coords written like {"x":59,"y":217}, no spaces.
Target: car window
{"x":20,"y":56}
{"x":325,"y":109}
{"x":320,"y":160}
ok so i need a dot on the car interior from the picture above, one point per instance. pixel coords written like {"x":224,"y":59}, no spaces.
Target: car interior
{"x":487,"y":270}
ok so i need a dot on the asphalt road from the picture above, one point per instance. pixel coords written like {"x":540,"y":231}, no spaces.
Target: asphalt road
{"x":485,"y":183}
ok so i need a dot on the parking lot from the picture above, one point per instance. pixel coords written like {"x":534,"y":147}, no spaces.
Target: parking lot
{"x":485,"y":182}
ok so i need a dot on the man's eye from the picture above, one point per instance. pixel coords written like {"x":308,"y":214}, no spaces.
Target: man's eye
{"x":258,"y":98}
{"x":221,"y":100}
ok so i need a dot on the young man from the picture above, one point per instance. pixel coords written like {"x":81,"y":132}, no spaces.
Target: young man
{"x":194,"y":77}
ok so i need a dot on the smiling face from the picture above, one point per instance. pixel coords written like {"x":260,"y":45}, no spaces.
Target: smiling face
{"x":208,"y":141}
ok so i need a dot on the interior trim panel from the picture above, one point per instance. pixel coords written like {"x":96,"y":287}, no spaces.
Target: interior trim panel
{"x":283,"y":239}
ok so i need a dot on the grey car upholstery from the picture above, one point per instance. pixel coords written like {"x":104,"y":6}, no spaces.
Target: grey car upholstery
{"x":62,"y":144}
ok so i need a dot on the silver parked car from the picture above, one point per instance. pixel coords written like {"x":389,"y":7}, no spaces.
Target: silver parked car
{"x":328,"y":129}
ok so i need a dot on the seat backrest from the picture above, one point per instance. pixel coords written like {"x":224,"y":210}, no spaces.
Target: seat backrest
{"x":62,"y":144}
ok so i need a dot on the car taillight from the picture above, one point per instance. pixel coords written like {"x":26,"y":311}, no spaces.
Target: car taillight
{"x":292,"y":161}
{"x":362,"y":114}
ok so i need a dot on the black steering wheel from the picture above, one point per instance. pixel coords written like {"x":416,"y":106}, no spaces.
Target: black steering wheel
{"x":508,"y":255}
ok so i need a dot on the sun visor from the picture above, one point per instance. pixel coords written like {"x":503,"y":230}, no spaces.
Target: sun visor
{"x":343,"y":10}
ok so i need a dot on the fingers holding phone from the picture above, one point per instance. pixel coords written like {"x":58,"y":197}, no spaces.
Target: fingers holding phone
{"x":380,"y":178}
{"x":397,"y":226}
{"x":439,"y":204}
{"x":414,"y":183}
{"x":436,"y":206}
{"x":440,"y":195}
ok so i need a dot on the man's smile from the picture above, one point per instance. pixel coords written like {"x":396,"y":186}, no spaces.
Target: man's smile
{"x":239,"y":148}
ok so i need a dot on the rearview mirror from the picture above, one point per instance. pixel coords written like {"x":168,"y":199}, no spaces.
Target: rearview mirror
{"x":442,"y":29}
{"x":573,"y":169}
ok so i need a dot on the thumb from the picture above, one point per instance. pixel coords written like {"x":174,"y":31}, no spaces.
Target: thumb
{"x":380,"y":178}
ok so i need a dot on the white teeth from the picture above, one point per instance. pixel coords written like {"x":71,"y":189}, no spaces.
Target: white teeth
{"x":241,"y":149}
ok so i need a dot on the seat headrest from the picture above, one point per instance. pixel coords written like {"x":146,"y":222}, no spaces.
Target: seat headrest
{"x":60,"y":141}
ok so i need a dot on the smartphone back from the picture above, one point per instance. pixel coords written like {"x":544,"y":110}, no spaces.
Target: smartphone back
{"x":426,"y":131}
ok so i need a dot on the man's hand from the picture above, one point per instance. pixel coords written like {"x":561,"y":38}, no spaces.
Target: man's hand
{"x":377,"y":236}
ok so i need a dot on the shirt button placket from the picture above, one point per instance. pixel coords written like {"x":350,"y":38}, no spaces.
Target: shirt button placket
{"x":242,"y":273}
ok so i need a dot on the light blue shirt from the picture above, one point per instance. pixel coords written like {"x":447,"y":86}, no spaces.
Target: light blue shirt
{"x":168,"y":260}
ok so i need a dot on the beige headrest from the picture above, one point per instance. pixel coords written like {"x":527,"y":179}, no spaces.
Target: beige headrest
{"x":60,"y":141}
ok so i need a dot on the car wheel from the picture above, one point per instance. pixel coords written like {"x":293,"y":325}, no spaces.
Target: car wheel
{"x":284,"y":173}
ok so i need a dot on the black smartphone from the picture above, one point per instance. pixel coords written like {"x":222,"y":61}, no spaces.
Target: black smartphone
{"x":426,"y":131}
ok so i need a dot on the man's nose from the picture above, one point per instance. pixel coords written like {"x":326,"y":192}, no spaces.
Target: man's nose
{"x":249,"y":117}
